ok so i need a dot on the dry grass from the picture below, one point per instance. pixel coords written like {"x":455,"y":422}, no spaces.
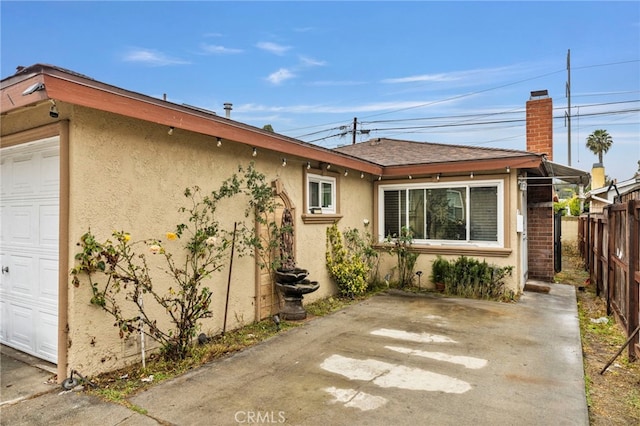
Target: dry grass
{"x":613,"y":397}
{"x":117,"y":386}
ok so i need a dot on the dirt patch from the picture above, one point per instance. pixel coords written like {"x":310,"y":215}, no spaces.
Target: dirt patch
{"x":614,"y":396}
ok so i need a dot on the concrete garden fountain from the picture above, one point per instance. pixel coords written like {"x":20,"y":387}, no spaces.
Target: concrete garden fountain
{"x":291,"y":281}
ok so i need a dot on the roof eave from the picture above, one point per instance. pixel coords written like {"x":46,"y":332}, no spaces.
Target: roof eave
{"x":15,"y":95}
{"x":566,"y":173}
{"x":75,"y":89}
{"x":453,"y":167}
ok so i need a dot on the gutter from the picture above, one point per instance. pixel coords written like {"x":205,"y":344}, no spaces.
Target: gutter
{"x":40,"y":83}
{"x":602,"y":200}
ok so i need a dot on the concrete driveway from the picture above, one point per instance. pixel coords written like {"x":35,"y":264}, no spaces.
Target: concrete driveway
{"x":393,"y":359}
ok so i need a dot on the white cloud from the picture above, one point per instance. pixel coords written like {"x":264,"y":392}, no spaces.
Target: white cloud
{"x":310,"y":62}
{"x":335,"y":83}
{"x":151,"y":57}
{"x":421,"y":78}
{"x":479,"y":74}
{"x":336,"y":109}
{"x":219,"y":50}
{"x":274,"y":48}
{"x":281,"y":75}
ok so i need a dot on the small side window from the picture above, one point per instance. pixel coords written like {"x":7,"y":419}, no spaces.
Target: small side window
{"x":321,"y":194}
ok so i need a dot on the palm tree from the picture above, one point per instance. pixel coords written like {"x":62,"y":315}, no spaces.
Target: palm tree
{"x":599,"y":142}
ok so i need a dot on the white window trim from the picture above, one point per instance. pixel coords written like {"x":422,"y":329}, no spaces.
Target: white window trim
{"x":320,"y":179}
{"x":499,"y":184}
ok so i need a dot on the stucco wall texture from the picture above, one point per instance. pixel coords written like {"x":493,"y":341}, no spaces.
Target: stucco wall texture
{"x":130,"y":176}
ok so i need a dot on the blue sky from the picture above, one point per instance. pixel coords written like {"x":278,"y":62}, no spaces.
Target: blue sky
{"x":447,"y":72}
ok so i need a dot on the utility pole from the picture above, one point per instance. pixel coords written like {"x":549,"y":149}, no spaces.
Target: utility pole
{"x":353,"y":133}
{"x":568,"y":113}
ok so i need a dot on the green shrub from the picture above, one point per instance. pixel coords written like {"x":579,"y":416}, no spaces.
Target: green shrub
{"x":349,"y":259}
{"x":571,"y":205}
{"x":574,"y":206}
{"x":439,"y":270}
{"x":406,"y":258}
{"x":468,"y":277}
{"x":560,"y":206}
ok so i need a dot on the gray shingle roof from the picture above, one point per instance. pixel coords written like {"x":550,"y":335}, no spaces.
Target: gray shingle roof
{"x":394,"y":152}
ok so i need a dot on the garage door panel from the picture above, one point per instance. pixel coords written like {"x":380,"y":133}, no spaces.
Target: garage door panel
{"x":6,"y":167}
{"x":47,"y":335}
{"x":21,"y":276}
{"x":22,"y":225}
{"x":24,"y":181}
{"x":49,"y":173}
{"x":4,"y":317}
{"x":4,"y":261}
{"x":48,"y":268}
{"x":48,"y":221}
{"x":21,"y":330}
{"x":4,"y":225}
{"x":29,"y":238}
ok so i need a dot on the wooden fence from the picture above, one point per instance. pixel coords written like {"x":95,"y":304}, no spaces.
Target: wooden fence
{"x":609,"y":244}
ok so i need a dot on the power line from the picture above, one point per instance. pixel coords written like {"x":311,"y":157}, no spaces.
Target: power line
{"x":501,"y":87}
{"x":347,"y":126}
{"x":464,"y":95}
{"x":422,"y":129}
{"x":515,"y":111}
{"x":516,"y":120}
{"x":606,"y":65}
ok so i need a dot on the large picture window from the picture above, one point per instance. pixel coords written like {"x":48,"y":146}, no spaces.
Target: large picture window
{"x":461,"y":213}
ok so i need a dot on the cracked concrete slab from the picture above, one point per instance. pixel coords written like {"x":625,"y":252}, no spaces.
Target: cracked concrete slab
{"x":526,"y":359}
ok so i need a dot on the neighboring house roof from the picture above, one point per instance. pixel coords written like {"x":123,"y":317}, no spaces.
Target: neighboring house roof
{"x":607,"y":194}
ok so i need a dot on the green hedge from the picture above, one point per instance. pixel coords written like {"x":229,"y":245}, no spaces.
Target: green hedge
{"x":468,"y":277}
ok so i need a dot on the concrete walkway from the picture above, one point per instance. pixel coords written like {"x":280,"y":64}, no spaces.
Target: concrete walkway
{"x":393,"y":359}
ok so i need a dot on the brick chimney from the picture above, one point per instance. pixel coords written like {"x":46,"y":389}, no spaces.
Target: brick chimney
{"x":540,"y":224}
{"x":540,"y":124}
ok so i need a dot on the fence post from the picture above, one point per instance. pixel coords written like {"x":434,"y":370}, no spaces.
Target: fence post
{"x":588,"y":243}
{"x":633,"y":275}
{"x":611,"y":223}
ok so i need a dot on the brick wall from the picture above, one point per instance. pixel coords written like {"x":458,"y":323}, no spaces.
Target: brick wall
{"x":540,"y":198}
{"x":540,"y":236}
{"x":540,"y":126}
{"x":540,"y":233}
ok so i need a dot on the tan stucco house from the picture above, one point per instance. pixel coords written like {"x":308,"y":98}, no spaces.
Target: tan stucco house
{"x":78,"y":153}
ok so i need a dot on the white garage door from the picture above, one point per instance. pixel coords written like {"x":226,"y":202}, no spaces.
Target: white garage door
{"x":29,"y":210}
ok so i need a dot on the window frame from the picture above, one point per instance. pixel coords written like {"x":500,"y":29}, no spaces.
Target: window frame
{"x":499,"y":184}
{"x":321,"y":181}
{"x":325,"y":215}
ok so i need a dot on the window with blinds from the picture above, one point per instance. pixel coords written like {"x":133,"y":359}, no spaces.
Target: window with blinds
{"x":464,"y":212}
